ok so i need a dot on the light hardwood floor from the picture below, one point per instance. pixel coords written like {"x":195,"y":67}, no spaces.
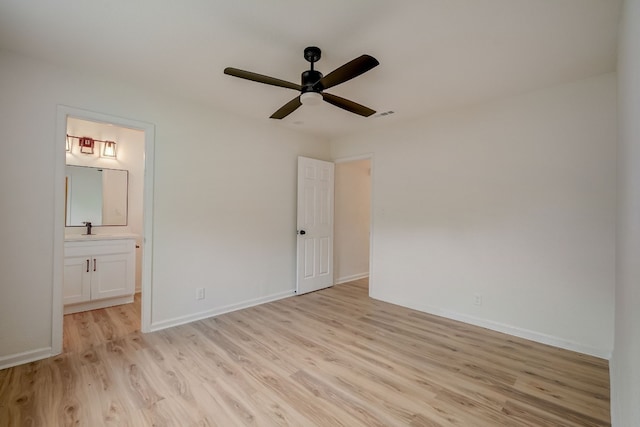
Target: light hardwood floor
{"x":330,"y":358}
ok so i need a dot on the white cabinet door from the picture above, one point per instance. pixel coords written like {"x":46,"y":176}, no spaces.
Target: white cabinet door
{"x":77,"y":280}
{"x":111,"y":276}
{"x":98,"y":273}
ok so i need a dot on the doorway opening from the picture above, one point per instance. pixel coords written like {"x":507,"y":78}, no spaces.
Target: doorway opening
{"x":134,"y":155}
{"x":352,"y":248}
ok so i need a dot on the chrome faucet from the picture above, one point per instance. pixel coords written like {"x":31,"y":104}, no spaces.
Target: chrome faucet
{"x":88,"y":224}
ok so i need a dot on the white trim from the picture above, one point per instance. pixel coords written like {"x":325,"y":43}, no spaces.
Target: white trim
{"x":367,"y":156}
{"x":147,"y":224}
{"x":63,"y":112}
{"x":504,"y":328}
{"x":181,"y":320}
{"x":614,"y":400}
{"x":26,"y":357}
{"x":101,"y":303}
{"x":351,"y":278}
{"x":58,"y":231}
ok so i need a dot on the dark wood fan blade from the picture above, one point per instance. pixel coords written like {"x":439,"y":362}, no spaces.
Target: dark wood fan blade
{"x":287,"y":108}
{"x":348,"y":71}
{"x":345,"y":104}
{"x":260,"y":78}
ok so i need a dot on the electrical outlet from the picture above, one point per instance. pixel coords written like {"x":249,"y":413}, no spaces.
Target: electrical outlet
{"x":477,"y":299}
{"x":200,"y":293}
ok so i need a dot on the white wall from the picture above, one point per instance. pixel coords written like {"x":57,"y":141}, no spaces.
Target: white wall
{"x":513,"y":201}
{"x":351,"y":222}
{"x":224,"y":214}
{"x":625,"y":363}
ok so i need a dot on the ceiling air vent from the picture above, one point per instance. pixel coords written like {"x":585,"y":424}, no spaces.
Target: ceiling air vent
{"x":385,"y":113}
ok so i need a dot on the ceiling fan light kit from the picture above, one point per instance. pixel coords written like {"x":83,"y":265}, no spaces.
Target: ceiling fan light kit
{"x":311,"y":98}
{"x":313,"y":84}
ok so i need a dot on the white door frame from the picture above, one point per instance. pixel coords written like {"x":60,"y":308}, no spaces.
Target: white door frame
{"x":63,"y":112}
{"x":367,"y":156}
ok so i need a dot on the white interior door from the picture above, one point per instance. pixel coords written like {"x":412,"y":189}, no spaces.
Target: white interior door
{"x":315,"y":225}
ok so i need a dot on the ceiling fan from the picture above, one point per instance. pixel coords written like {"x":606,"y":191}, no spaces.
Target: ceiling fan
{"x":314,"y":83}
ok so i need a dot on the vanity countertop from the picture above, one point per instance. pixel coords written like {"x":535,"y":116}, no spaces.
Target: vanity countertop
{"x":84,"y":237}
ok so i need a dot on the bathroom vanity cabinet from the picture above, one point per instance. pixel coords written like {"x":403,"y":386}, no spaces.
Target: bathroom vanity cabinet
{"x":98,"y":272}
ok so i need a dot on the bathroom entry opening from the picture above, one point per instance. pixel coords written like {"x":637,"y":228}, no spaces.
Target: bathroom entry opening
{"x":135,"y":145}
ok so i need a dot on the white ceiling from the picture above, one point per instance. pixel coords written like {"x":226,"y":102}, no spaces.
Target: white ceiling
{"x":434,"y":54}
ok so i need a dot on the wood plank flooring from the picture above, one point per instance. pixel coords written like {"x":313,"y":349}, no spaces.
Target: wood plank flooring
{"x":331,"y":358}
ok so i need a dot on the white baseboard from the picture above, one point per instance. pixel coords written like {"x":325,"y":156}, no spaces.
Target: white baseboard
{"x":613,"y":386}
{"x":26,"y":357}
{"x":504,"y":328}
{"x":176,"y":321}
{"x":94,"y":305}
{"x":351,"y":278}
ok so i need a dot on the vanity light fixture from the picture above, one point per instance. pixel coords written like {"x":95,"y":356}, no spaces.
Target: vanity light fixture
{"x":109,"y":149}
{"x":86,"y":145}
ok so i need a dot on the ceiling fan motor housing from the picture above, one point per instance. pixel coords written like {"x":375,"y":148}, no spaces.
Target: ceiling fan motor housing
{"x":310,"y":78}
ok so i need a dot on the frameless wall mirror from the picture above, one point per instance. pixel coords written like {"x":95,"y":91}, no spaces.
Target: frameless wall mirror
{"x":98,"y":195}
